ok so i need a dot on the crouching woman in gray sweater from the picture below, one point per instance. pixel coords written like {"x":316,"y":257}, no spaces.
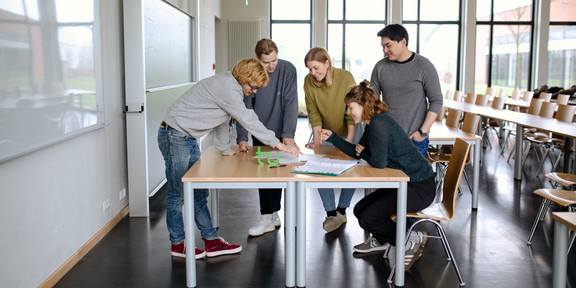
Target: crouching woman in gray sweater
{"x":385,"y":144}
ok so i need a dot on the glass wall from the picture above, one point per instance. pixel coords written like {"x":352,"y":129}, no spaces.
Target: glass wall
{"x":435,"y":36}
{"x":503,"y":41}
{"x":562,"y":44}
{"x":291,"y":26}
{"x":352,"y":40}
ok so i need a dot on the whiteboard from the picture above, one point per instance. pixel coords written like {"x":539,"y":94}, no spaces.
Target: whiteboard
{"x":168,"y":44}
{"x":47,"y":74}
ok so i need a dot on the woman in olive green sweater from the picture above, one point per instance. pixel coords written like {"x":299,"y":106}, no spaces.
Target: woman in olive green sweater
{"x":324,"y":89}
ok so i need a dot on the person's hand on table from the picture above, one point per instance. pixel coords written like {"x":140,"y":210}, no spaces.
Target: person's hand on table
{"x":292,"y":149}
{"x":359,"y":148}
{"x":243,"y":146}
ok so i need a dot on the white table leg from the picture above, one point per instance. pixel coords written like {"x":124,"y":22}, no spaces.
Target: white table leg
{"x":519,"y":152}
{"x":560,"y":257}
{"x":290,"y":230}
{"x":214,"y":207}
{"x":301,"y":235}
{"x":400,"y":233}
{"x":190,"y":235}
{"x":476,"y":174}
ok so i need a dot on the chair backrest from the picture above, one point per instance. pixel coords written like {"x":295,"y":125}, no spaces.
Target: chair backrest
{"x":535,"y":106}
{"x":453,"y":175}
{"x":470,"y":123}
{"x":453,"y":118}
{"x":441,"y":114}
{"x":527,"y":95}
{"x":489,"y":91}
{"x":502,"y":93}
{"x":546,"y":96}
{"x":448,"y":94}
{"x":498,"y":103}
{"x":470,"y":98}
{"x":515,"y":94}
{"x":482,"y":100}
{"x":565,"y":113}
{"x":562,"y":99}
{"x":458,"y":96}
{"x":547,"y":110}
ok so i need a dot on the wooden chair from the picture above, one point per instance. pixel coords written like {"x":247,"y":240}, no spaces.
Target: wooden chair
{"x":482,"y":100}
{"x":493,"y":124}
{"x":546,"y":96}
{"x":470,"y":98}
{"x":535,"y":138}
{"x":457,"y":96}
{"x":442,"y":158}
{"x":562,"y":99}
{"x":564,"y":198}
{"x":445,"y":210}
{"x":546,"y":141}
{"x":527,"y":95}
{"x":533,"y":109}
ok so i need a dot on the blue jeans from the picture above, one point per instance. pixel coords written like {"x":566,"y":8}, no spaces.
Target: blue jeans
{"x":328,"y":198}
{"x":327,"y":194}
{"x":180,"y":152}
{"x":422,"y":146}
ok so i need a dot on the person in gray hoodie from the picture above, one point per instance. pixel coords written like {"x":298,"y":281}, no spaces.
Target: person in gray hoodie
{"x":208,"y":107}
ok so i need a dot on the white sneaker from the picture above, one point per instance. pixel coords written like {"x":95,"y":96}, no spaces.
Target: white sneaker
{"x":266,"y":224}
{"x":276,"y":218}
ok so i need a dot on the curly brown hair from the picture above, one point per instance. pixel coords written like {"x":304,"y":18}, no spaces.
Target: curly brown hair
{"x":250,"y":70}
{"x":365,"y":96}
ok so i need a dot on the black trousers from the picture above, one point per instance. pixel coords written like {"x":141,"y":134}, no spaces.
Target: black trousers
{"x":269,"y":198}
{"x":375,"y":209}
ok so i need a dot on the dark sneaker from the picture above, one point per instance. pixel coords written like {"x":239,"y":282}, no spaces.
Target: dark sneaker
{"x":219,"y":246}
{"x":371,"y":245}
{"x":422,"y":238}
{"x":179,"y":250}
{"x":412,"y":254}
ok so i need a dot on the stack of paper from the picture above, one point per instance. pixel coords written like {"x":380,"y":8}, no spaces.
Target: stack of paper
{"x":325,"y":166}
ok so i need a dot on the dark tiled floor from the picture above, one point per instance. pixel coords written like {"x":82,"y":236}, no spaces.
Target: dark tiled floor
{"x":489,"y":244}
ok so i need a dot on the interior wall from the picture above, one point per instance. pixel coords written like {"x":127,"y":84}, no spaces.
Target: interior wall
{"x":52,"y":199}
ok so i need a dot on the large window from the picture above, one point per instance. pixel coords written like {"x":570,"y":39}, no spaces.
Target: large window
{"x":352,"y":40}
{"x":47,"y":73}
{"x":503,"y":41}
{"x":291,"y":26}
{"x":562,"y":44}
{"x":435,"y":36}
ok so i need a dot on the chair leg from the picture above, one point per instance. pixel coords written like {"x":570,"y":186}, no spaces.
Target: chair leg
{"x":512,"y":152}
{"x":449,"y":250}
{"x":445,"y":244}
{"x":541,"y":212}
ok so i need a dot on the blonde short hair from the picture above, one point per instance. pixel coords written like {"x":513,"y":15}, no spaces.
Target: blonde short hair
{"x":250,"y":70}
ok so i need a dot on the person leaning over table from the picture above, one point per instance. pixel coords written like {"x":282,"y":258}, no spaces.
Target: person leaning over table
{"x":206,"y":107}
{"x":385,"y":144}
{"x":277,"y":108}
{"x":324,"y":90}
{"x":408,"y":83}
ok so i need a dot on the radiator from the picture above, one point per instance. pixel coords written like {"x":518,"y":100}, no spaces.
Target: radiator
{"x":242,"y":37}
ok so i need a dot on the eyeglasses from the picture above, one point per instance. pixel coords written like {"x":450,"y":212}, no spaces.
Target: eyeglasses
{"x":253,"y":88}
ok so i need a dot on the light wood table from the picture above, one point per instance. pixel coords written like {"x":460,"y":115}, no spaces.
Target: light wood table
{"x":242,"y":171}
{"x":522,"y":120}
{"x":440,"y":134}
{"x":562,"y":222}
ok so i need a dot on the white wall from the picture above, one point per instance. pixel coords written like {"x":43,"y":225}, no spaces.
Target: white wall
{"x":52,"y":198}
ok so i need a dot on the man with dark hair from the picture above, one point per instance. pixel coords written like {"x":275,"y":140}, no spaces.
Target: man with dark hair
{"x":277,"y":108}
{"x":409,"y":84}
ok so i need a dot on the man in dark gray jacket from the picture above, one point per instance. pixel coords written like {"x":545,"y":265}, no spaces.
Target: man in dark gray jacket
{"x":277,"y":108}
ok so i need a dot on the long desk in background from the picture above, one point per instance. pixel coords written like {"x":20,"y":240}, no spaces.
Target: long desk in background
{"x":440,"y":134}
{"x":242,"y":171}
{"x":521,"y":120}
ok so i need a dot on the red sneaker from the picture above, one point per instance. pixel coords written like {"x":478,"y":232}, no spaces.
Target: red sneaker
{"x":179,"y":250}
{"x":219,"y":247}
